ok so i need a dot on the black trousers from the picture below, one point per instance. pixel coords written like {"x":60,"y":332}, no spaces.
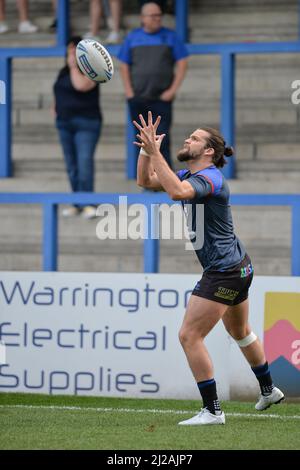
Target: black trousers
{"x":158,"y":108}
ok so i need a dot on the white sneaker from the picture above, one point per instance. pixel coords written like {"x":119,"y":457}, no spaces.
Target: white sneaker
{"x":265,"y":401}
{"x":88,"y":35}
{"x":204,"y":417}
{"x":113,"y":38}
{"x":70,"y":211}
{"x":3,"y":27}
{"x":89,"y":212}
{"x":27,"y":27}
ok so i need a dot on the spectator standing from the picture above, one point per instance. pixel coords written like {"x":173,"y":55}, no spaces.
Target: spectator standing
{"x":153,"y":66}
{"x":25,"y":26}
{"x":78,"y":121}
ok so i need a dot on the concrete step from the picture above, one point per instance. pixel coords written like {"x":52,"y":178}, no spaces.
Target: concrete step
{"x":263,"y":61}
{"x":277,"y":262}
{"x":58,"y":182}
{"x":241,"y":5}
{"x":195,"y":5}
{"x":25,"y":223}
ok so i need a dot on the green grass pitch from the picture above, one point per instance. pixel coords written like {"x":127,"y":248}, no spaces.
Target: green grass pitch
{"x":30,"y":421}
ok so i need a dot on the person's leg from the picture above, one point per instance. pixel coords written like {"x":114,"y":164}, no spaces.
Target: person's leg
{"x":53,"y":24}
{"x":164,"y":109}
{"x":200,"y":318}
{"x":66,"y":137}
{"x":3,"y":26}
{"x":86,"y":138}
{"x":23,"y":10}
{"x":95,"y":15}
{"x":115,"y":9}
{"x":236,"y":323}
{"x":25,"y":26}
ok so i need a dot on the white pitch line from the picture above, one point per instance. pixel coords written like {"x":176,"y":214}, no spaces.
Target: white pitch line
{"x":133,"y":410}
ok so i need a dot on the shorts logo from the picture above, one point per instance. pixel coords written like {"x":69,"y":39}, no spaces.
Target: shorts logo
{"x":87,"y":66}
{"x":246,"y":271}
{"x":227,"y":294}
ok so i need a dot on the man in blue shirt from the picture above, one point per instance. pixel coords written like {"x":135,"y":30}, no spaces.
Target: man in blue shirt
{"x":222,"y":292}
{"x":153,"y":65}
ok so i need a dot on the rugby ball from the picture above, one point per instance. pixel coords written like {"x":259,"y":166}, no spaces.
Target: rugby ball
{"x":94,"y":61}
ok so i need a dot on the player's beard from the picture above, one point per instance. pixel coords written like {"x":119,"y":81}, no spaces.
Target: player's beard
{"x":185,"y":156}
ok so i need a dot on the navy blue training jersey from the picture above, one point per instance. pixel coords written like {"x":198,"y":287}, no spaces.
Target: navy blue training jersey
{"x":221,"y":249}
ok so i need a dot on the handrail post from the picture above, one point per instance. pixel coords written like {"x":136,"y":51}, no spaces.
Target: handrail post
{"x":50,"y":229}
{"x":5,"y":117}
{"x":151,"y":241}
{"x":62,"y":17}
{"x":228,"y":107}
{"x":182,"y":9}
{"x":131,"y":149}
{"x":295,"y":241}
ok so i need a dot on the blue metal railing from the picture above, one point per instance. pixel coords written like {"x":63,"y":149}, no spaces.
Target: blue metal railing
{"x":50,"y":202}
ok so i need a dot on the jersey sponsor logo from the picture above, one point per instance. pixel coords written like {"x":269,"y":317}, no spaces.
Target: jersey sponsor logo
{"x":225,"y":293}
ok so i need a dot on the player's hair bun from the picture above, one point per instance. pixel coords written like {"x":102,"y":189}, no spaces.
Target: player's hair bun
{"x":228,"y":151}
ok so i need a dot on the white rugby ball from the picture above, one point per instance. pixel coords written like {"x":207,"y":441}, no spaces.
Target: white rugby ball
{"x":94,"y":61}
